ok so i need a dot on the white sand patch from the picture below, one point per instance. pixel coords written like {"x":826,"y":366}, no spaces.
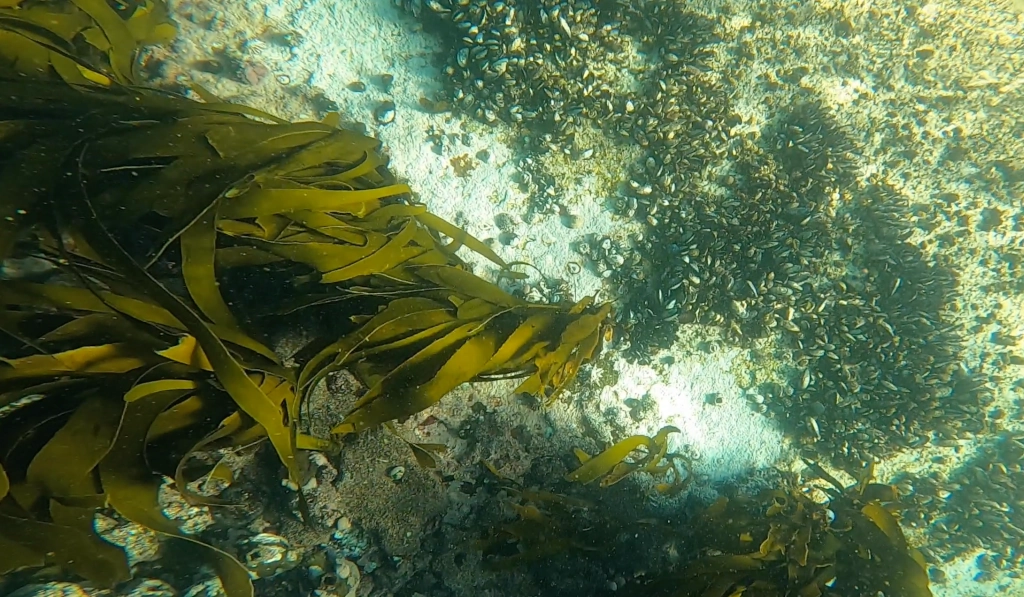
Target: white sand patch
{"x":727,"y":440}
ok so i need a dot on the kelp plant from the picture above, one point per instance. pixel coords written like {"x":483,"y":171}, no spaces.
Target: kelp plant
{"x":147,"y":218}
{"x":549,"y":524}
{"x":795,"y":540}
{"x":785,"y":543}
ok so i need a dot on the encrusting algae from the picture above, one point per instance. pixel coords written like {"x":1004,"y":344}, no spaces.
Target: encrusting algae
{"x":136,"y":350}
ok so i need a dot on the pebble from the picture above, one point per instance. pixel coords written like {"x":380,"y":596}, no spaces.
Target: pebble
{"x":397,"y":473}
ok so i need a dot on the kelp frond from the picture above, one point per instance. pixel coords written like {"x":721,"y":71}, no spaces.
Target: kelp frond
{"x":160,"y":217}
{"x":778,"y":544}
{"x":82,"y":42}
{"x":546,"y":524}
{"x":785,"y":543}
{"x":614,"y":464}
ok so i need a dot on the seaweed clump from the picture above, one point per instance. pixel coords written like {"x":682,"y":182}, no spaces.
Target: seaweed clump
{"x":796,"y":539}
{"x":137,"y":343}
{"x":785,"y":543}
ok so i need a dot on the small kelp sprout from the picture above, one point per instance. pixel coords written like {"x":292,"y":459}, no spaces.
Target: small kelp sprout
{"x":155,"y":216}
{"x":614,"y":464}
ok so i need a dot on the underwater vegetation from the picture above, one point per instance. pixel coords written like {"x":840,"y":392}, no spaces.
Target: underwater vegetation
{"x":785,"y":543}
{"x":801,"y":538}
{"x":83,"y":42}
{"x":614,"y":464}
{"x":153,"y":245}
{"x":549,"y":524}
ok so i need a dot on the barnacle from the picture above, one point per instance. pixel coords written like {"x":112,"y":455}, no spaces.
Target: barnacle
{"x":141,"y":348}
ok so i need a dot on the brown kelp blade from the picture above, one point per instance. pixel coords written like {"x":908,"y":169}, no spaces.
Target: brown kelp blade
{"x":150,"y":205}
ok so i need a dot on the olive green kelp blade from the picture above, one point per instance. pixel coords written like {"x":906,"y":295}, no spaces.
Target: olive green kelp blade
{"x":785,"y":543}
{"x":160,"y":219}
{"x":80,"y":41}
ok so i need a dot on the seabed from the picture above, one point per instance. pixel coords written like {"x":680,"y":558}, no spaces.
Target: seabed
{"x":930,"y":95}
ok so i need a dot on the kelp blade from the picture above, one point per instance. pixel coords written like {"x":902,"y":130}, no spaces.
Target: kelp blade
{"x":220,"y":190}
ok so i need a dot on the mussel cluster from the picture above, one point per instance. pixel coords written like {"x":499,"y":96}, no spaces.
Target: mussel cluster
{"x":781,"y":242}
{"x":767,"y":235}
{"x":793,"y":250}
{"x":555,"y":67}
{"x":541,"y":62}
{"x":975,"y":506}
